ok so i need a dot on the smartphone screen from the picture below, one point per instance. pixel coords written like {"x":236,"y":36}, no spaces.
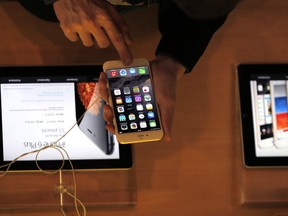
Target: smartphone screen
{"x":280,"y":107}
{"x":263,"y":124}
{"x":133,"y":99}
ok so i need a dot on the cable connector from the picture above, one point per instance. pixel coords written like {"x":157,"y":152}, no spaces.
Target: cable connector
{"x":62,"y":189}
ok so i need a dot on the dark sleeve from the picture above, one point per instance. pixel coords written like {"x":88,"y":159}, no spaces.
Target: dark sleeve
{"x":184,"y":38}
{"x":40,"y":9}
{"x":47,"y":2}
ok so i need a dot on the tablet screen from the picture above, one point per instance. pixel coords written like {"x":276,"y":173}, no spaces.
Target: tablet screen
{"x":60,"y":106}
{"x":264,"y":113}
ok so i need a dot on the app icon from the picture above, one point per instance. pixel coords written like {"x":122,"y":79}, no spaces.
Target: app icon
{"x":145,"y":89}
{"x":141,"y":116}
{"x":141,"y":70}
{"x":119,"y":100}
{"x":152,"y":123}
{"x":123,"y":72}
{"x":120,"y":109}
{"x":128,"y":99}
{"x":147,"y":97}
{"x":124,"y":127}
{"x":139,"y":107}
{"x":133,"y":125}
{"x":132,"y":117}
{"x":143,"y":124}
{"x":126,"y":90}
{"x":122,"y":118}
{"x":151,"y":115}
{"x":117,"y":91}
{"x":130,"y":108}
{"x":132,"y":71}
{"x":136,"y":90}
{"x":260,"y":88}
{"x":149,"y":106}
{"x":113,"y":73}
{"x":138,"y":98}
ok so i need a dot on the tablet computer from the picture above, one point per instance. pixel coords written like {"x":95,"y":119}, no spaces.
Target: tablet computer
{"x":263,"y":90}
{"x":56,"y":106}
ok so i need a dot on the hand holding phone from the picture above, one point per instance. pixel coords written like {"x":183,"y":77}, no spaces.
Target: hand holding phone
{"x":132,"y":98}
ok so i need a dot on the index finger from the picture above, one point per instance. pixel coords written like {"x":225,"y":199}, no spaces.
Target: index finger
{"x":118,"y":33}
{"x":117,"y":39}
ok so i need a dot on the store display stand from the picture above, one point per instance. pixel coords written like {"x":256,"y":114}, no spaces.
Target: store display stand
{"x":264,"y":187}
{"x":32,"y":190}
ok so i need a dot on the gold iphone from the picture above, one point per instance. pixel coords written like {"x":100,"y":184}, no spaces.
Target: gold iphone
{"x":132,"y":97}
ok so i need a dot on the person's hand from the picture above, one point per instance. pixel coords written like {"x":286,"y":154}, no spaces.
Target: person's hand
{"x":166,"y":73}
{"x":94,"y":20}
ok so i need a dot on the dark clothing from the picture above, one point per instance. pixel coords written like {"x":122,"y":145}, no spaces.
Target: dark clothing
{"x":40,"y":9}
{"x":184,"y":38}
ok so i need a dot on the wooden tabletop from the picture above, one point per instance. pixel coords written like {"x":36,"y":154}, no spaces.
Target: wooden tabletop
{"x":200,"y":171}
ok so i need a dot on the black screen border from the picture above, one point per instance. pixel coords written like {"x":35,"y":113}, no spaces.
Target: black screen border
{"x":245,"y":73}
{"x":89,"y":71}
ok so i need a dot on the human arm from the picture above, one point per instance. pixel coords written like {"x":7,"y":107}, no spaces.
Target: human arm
{"x":184,"y":40}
